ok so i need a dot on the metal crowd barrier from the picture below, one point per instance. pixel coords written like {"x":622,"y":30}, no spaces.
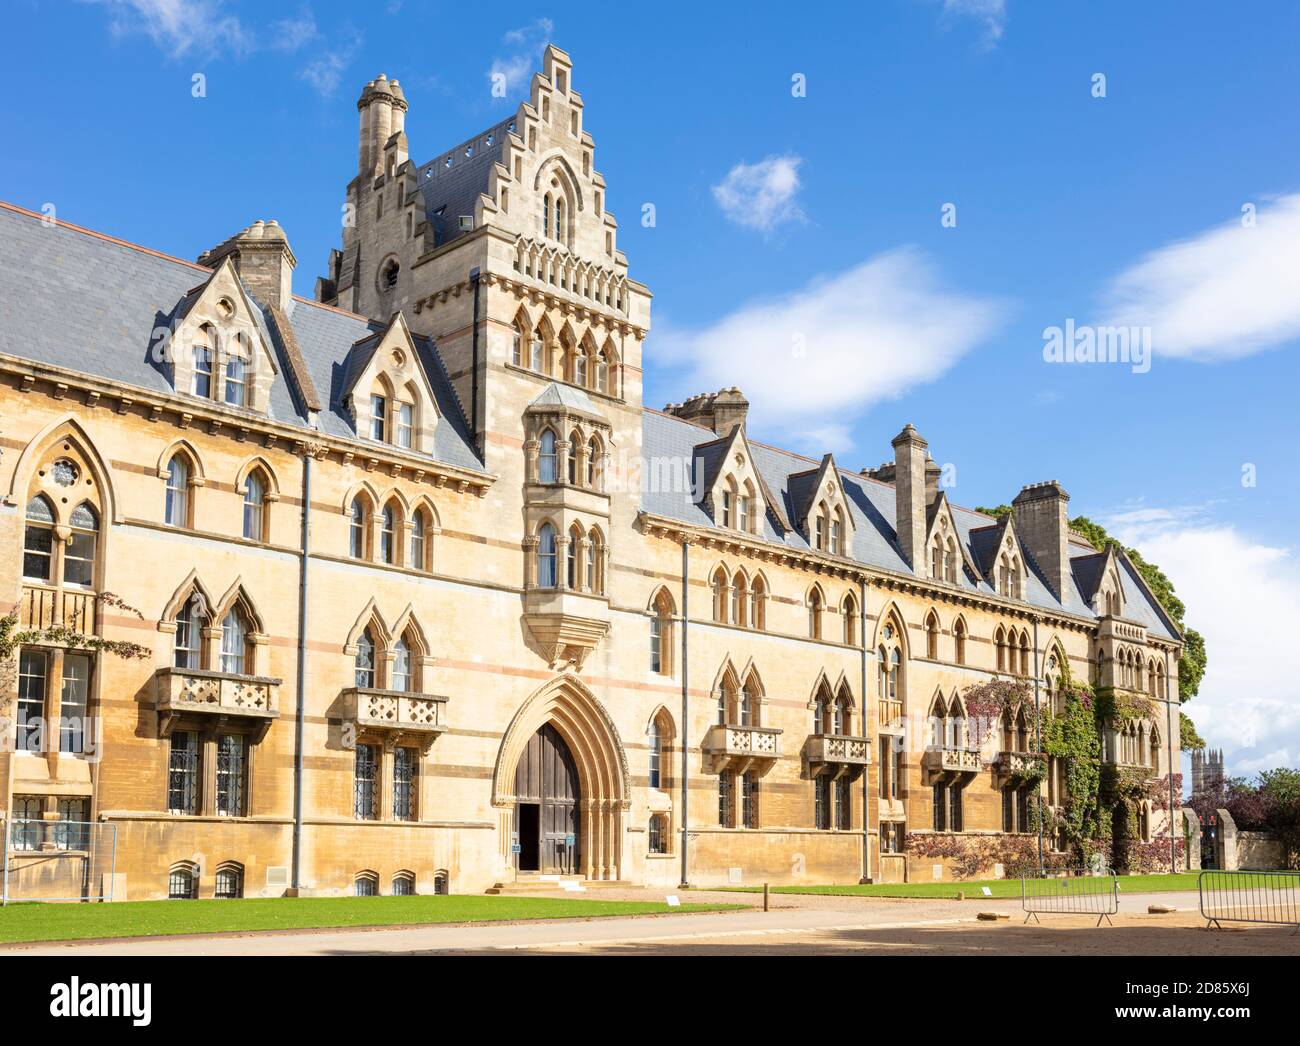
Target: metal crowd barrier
{"x":1072,"y":893}
{"x":1271,"y":898}
{"x":57,"y":860}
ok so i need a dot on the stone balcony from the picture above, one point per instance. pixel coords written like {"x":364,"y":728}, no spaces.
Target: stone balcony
{"x":952,"y":761}
{"x":49,"y":606}
{"x":734,"y":747}
{"x":1016,"y":764}
{"x":837,"y":749}
{"x":396,"y":713}
{"x":198,"y":692}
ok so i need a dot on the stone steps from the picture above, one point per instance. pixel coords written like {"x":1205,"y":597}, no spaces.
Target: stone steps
{"x":532,"y":884}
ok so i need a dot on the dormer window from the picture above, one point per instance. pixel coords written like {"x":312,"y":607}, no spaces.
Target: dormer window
{"x":236,"y":383}
{"x":406,"y":425}
{"x":378,"y":417}
{"x":837,"y":534}
{"x":201,"y":381}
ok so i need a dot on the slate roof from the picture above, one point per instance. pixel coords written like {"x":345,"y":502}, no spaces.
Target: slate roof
{"x":451,"y":183}
{"x":874,"y":540}
{"x":75,"y":299}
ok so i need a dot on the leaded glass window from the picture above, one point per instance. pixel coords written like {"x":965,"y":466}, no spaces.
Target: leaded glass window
{"x":79,"y":555}
{"x":183,"y":773}
{"x":365,"y":799}
{"x":231,"y":756}
{"x":405,"y":768}
{"x":38,"y":540}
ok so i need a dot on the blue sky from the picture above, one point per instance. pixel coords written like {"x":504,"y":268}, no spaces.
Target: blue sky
{"x":799,"y":236}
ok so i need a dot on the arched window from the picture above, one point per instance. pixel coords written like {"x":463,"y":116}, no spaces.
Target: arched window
{"x":720,"y":596}
{"x":547,"y":465}
{"x":595,"y":571}
{"x":959,"y":641}
{"x":401,"y":671}
{"x":405,"y":420}
{"x":841,"y":713}
{"x":1000,"y":645}
{"x":254,"y":506}
{"x":655,"y":747}
{"x":201,"y":381}
{"x":837,"y":532}
{"x":950,"y":561}
{"x":403,"y":885}
{"x":739,"y":599}
{"x":745,"y":509}
{"x":559,"y":219}
{"x":815,"y":614}
{"x":38,"y":540}
{"x":235,"y":653}
{"x":571,"y":558}
{"x":182,"y":883}
{"x":604,"y":374}
{"x":936,"y":558}
{"x":745,"y":707}
{"x":177,"y":508}
{"x":516,"y":345}
{"x":229,"y":883}
{"x":595,"y":465}
{"x":236,"y":382}
{"x":191,"y":620}
{"x":419,"y":541}
{"x":367,"y":884}
{"x":546,"y":576}
{"x":388,"y":535}
{"x":575,"y":442}
{"x":661,"y":623}
{"x":580,"y":366}
{"x":537,"y":353}
{"x":932,"y":636}
{"x":850,"y":613}
{"x":821,"y":528}
{"x":757,"y":603}
{"x":358,"y":524}
{"x":1024,"y":653}
{"x":365,"y":661}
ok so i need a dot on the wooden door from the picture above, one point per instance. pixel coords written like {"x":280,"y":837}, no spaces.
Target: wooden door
{"x":547,"y":778}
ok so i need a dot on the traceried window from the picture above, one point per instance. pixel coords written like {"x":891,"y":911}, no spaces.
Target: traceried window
{"x":254,"y":506}
{"x":235,"y":643}
{"x":38,"y":540}
{"x":364,"y":673}
{"x":177,"y":508}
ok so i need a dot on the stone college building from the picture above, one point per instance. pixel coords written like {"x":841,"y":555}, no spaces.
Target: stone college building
{"x":424,"y":598}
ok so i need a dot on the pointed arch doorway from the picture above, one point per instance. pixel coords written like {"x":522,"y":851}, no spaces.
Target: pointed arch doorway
{"x":548,"y":800}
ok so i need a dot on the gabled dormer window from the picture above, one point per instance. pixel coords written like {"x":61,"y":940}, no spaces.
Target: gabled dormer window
{"x":378,"y":417}
{"x":405,"y":425}
{"x":236,"y":382}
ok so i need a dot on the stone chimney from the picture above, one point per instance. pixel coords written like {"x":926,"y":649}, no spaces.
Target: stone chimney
{"x":909,"y":494}
{"x":932,"y":474}
{"x":263,"y":259}
{"x":721,"y":411}
{"x":1043,"y":524}
{"x":382,"y":107}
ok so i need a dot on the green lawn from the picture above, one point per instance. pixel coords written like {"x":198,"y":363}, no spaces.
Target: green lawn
{"x":973,"y":888}
{"x":71,"y":922}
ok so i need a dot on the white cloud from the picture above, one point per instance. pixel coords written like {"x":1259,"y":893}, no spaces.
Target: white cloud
{"x":179,"y":27}
{"x":992,"y":13}
{"x":1229,"y":292}
{"x":325,"y":71}
{"x":814,"y":358}
{"x":521,"y":57}
{"x":761,"y":195}
{"x":1244,"y":598}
